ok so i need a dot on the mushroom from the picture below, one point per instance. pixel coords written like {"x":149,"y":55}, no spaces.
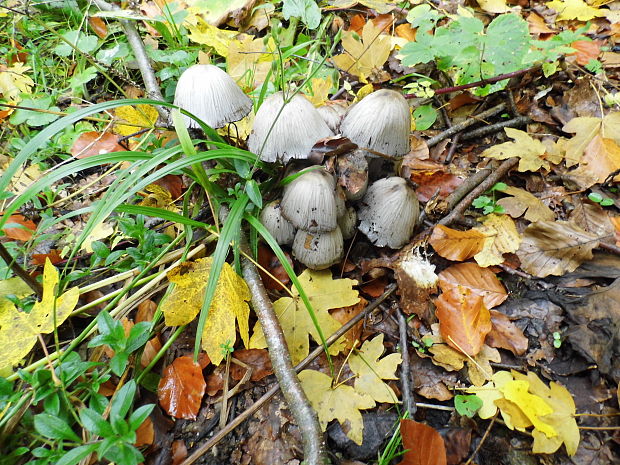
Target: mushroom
{"x":332,"y":113}
{"x":347,"y":223}
{"x":318,"y":251}
{"x":279,"y":227}
{"x":380,"y":122}
{"x":285,"y":131}
{"x":389,"y":212}
{"x":212,"y":95}
{"x":309,"y":201}
{"x":352,"y":172}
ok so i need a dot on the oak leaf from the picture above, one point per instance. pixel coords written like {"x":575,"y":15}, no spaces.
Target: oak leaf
{"x":530,"y":151}
{"x":324,"y":293}
{"x":480,"y":280}
{"x":456,"y":245}
{"x":501,"y":237}
{"x":229,"y":304}
{"x":522,"y":202}
{"x":181,"y":388}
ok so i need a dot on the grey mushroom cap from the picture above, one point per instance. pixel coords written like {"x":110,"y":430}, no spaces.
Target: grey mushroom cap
{"x":309,"y":202}
{"x":284,"y":132}
{"x":279,"y":227}
{"x":212,"y":95}
{"x":318,"y":251}
{"x":380,"y":122}
{"x":347,"y":223}
{"x":389,"y":212}
{"x":332,"y":113}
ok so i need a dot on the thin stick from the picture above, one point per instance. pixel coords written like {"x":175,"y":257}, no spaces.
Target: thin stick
{"x":405,"y":367}
{"x":486,"y":130}
{"x":486,"y":434}
{"x":21,"y":272}
{"x":484,"y":82}
{"x":275,"y":388}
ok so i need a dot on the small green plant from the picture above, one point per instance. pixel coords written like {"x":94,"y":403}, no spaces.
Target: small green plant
{"x":488,"y":204}
{"x":557,"y":339}
{"x":467,"y":405}
{"x":598,"y":198}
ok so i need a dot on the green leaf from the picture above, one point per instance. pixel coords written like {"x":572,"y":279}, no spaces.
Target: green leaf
{"x":467,"y":405}
{"x":123,"y":400}
{"x":307,"y":10}
{"x":33,"y":117}
{"x":139,"y":415}
{"x":95,"y":423}
{"x":251,"y":188}
{"x":53,"y":427}
{"x":82,"y":78}
{"x":74,"y":456}
{"x":83,"y":42}
{"x":425,"y":116}
{"x":124,"y":453}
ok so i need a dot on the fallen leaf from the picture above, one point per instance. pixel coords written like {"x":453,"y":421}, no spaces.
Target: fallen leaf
{"x":257,"y":359}
{"x":494,"y":6}
{"x":19,"y":228}
{"x":601,"y":158}
{"x":344,"y":314}
{"x":501,"y":237}
{"x":464,"y":321}
{"x":531,"y":405}
{"x":555,"y":248}
{"x":370,"y":370}
{"x":318,"y":90}
{"x":53,"y":256}
{"x":537,"y":24}
{"x":268,"y":260}
{"x":523,"y":202}
{"x":201,"y":32}
{"x":14,"y":81}
{"x":173,"y":183}
{"x":593,"y":219}
{"x":456,"y":245}
{"x":479,"y":370}
{"x":98,"y":26}
{"x":422,"y":443}
{"x":324,"y":293}
{"x":480,"y":280}
{"x":181,"y":388}
{"x":585,"y":129}
{"x":505,"y":334}
{"x":145,"y":434}
{"x":135,"y":118}
{"x":574,"y":9}
{"x":248,"y":61}
{"x":151,"y":349}
{"x":380,"y":6}
{"x":340,"y":402}
{"x":587,"y":50}
{"x":228,"y":305}
{"x":530,"y":151}
{"x":96,"y":143}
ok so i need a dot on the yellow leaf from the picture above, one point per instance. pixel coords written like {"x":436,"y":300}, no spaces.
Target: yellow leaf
{"x":482,"y":371}
{"x":100,"y":231}
{"x":23,"y":178}
{"x":585,"y":128}
{"x":12,"y":287}
{"x":318,"y":90}
{"x":324,"y":293}
{"x":229,"y":304}
{"x":19,"y":330}
{"x":142,"y":116}
{"x":380,"y":6}
{"x":523,"y":202}
{"x":248,"y":61}
{"x":529,"y":151}
{"x":158,"y":197}
{"x":574,"y":9}
{"x":531,"y":405}
{"x":490,"y":392}
{"x":502,"y":237}
{"x":364,"y":58}
{"x":494,"y":6}
{"x":371,"y":371}
{"x":14,"y":81}
{"x":204,"y":33}
{"x":340,"y":403}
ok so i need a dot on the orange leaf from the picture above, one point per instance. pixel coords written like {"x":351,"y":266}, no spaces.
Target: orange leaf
{"x":98,"y":26}
{"x":464,"y":321}
{"x":480,"y":280}
{"x":145,"y":434}
{"x":95,"y":143}
{"x":257,"y":359}
{"x":506,"y":335}
{"x":587,"y":50}
{"x":53,"y":256}
{"x":179,"y":452}
{"x":151,"y":349}
{"x":181,"y":388}
{"x":173,"y":183}
{"x":23,"y":233}
{"x":344,"y":314}
{"x":424,"y":444}
{"x":456,"y":245}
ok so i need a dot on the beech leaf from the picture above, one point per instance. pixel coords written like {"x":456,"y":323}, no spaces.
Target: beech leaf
{"x":181,"y":388}
{"x":422,"y":443}
{"x":501,"y":237}
{"x":480,"y":280}
{"x":456,"y":245}
{"x":523,"y":202}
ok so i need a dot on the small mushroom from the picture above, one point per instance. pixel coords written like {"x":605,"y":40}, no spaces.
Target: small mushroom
{"x":279,"y":227}
{"x":347,"y":223}
{"x":309,"y":202}
{"x":212,"y":95}
{"x":283,"y":132}
{"x":380,"y":122}
{"x":318,"y":251}
{"x":389,"y":212}
{"x":332,"y":113}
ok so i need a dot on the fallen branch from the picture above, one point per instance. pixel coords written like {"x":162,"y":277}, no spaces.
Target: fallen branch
{"x":405,"y":367}
{"x":486,"y":130}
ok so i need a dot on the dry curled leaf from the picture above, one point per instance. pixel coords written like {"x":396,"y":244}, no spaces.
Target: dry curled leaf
{"x":522,"y":202}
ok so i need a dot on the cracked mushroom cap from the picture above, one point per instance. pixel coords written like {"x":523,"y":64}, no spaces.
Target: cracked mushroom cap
{"x":295,"y":129}
{"x":389,"y":212}
{"x":279,"y":227}
{"x":318,"y":250}
{"x":212,"y":95}
{"x":309,"y":202}
{"x":380,"y":122}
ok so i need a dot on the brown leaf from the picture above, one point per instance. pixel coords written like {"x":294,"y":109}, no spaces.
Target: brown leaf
{"x":555,"y":248}
{"x":145,"y":434}
{"x":257,"y":359}
{"x":23,"y":233}
{"x":344,"y":314}
{"x":146,"y":311}
{"x":375,"y":287}
{"x":173,"y":183}
{"x":456,"y":245}
{"x":424,"y":444}
{"x":480,"y":280}
{"x":587,"y":50}
{"x":98,"y":26}
{"x":464,"y":321}
{"x":95,"y":143}
{"x":593,"y":219}
{"x":537,"y":24}
{"x":523,"y":202}
{"x":215,"y":380}
{"x":431,"y":178}
{"x":268,"y":260}
{"x":151,"y":349}
{"x":179,"y":452}
{"x":600,"y":158}
{"x":53,"y":256}
{"x":181,"y":388}
{"x":506,"y":335}
{"x":406,"y":32}
{"x":458,"y":442}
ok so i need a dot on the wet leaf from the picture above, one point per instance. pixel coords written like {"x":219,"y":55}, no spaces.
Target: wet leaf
{"x":257,"y":359}
{"x":181,"y":388}
{"x":456,"y":245}
{"x":19,"y":228}
{"x":423,"y":444}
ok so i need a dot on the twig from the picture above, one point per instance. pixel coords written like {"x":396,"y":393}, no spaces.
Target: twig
{"x":484,"y":82}
{"x":21,"y":272}
{"x":465,"y":124}
{"x":465,"y":188}
{"x":137,"y":47}
{"x":484,"y":436}
{"x":296,"y":399}
{"x":405,"y":367}
{"x":342,"y":90}
{"x":609,"y":247}
{"x":486,"y":130}
{"x":275,"y":388}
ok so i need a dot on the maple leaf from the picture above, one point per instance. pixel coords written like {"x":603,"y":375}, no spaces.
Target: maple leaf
{"x":585,"y":129}
{"x":248,"y":60}
{"x":229,"y":304}
{"x":340,"y":403}
{"x":318,"y":90}
{"x":529,"y":151}
{"x":371,"y":371}
{"x":19,"y":330}
{"x":501,"y":237}
{"x":201,"y":32}
{"x":364,"y":58}
{"x":555,"y":248}
{"x":14,"y":81}
{"x":142,"y":116}
{"x":522,"y":202}
{"x":324,"y":293}
{"x":531,"y":405}
{"x":574,"y":9}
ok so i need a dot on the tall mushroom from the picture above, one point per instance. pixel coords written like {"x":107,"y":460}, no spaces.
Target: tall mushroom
{"x":380,"y":122}
{"x":212,"y":95}
{"x":284,"y":131}
{"x":389,"y":212}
